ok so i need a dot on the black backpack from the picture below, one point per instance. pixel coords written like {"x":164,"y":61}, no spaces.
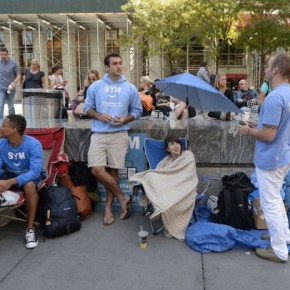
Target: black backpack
{"x":233,"y":202}
{"x":58,"y":213}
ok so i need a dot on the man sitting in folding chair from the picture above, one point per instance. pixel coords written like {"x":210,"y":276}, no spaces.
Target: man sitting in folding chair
{"x":21,"y":168}
{"x":171,"y":187}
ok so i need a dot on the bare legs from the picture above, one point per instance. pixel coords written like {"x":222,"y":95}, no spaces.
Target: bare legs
{"x":109,"y":179}
{"x":31,"y":201}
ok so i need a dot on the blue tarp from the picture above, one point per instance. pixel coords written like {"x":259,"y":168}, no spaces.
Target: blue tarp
{"x":205,"y":236}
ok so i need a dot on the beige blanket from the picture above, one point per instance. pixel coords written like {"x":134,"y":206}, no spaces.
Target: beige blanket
{"x":172,"y":189}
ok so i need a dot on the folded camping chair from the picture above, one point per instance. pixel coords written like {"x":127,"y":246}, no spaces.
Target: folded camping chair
{"x":54,"y":161}
{"x":155,"y":152}
{"x":11,"y":201}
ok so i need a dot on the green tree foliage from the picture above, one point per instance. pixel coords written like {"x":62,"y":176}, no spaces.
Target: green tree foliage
{"x":172,"y":25}
{"x":166,"y":25}
{"x":265,"y":28}
{"x":259,"y":26}
{"x":216,"y":25}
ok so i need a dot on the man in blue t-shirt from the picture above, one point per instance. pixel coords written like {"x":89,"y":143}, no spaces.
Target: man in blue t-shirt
{"x":21,"y":168}
{"x":9,"y":76}
{"x":272,"y":155}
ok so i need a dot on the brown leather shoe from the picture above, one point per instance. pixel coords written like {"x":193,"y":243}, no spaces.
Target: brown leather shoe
{"x":268,"y":254}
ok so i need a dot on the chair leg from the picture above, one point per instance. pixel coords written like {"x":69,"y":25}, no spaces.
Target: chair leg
{"x":13,"y":218}
{"x":154,"y":231}
{"x":17,"y":218}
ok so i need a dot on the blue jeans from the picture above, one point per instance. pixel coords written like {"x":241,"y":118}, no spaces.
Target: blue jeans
{"x":9,"y":99}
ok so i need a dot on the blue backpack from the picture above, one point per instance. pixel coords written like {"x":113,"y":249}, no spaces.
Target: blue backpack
{"x":59,"y":214}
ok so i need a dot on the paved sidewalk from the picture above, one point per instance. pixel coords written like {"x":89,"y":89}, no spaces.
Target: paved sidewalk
{"x":109,"y":258}
{"x":17,"y":106}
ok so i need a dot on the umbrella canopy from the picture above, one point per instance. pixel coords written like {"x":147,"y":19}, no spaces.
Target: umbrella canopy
{"x":200,"y":94}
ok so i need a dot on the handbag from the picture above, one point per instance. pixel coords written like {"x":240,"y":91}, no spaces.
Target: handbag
{"x":79,"y":110}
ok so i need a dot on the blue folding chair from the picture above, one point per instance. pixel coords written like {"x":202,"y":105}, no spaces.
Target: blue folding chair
{"x":155,"y":152}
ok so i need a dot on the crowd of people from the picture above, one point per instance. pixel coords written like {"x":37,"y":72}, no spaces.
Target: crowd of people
{"x":151,"y":97}
{"x":112,"y":103}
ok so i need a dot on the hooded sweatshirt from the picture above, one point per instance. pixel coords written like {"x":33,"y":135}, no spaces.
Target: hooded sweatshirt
{"x":115,"y":98}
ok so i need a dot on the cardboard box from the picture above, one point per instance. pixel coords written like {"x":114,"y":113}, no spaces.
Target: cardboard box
{"x":258,"y":215}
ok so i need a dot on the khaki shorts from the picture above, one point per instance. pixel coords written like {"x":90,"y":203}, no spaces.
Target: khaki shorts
{"x":108,"y":149}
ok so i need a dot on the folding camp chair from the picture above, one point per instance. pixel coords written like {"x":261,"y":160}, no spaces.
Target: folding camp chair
{"x":54,"y":161}
{"x":155,"y":152}
{"x":8,"y":206}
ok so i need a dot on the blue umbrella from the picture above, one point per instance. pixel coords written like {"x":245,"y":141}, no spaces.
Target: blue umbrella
{"x":199,"y":93}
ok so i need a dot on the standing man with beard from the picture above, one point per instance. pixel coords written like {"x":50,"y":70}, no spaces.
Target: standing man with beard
{"x":9,"y":76}
{"x":112,"y":103}
{"x":272,"y":155}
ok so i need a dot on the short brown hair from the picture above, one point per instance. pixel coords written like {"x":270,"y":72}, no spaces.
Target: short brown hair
{"x":171,"y":139}
{"x":56,"y":68}
{"x":282,"y":61}
{"x":107,"y":58}
{"x":4,"y":49}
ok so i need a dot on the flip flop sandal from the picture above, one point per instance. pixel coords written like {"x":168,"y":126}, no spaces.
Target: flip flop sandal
{"x":107,"y":221}
{"x":127,"y":209}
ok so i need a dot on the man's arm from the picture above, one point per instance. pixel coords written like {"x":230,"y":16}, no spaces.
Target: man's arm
{"x":17,"y":79}
{"x":266,"y":134}
{"x":35,"y":165}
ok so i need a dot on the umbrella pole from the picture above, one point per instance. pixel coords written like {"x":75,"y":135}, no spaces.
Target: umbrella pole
{"x":187,"y":126}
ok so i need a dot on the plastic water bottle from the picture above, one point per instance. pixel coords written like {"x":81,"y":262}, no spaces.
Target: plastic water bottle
{"x":10,"y":88}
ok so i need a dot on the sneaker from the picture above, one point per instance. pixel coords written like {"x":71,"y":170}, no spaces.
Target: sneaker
{"x":269,"y":254}
{"x":30,"y":238}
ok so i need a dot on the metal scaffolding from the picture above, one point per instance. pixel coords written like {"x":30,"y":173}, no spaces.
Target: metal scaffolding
{"x":80,"y":41}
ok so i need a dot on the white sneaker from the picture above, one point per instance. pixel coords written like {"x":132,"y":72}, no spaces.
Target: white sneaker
{"x":31,"y":240}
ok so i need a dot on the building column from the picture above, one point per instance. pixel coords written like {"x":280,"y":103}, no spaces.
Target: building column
{"x":97,"y":44}
{"x":40,"y":51}
{"x":69,"y":61}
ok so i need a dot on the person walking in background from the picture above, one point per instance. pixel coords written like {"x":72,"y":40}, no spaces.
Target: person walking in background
{"x":9,"y":76}
{"x":202,"y":72}
{"x":33,"y":77}
{"x":112,"y":103}
{"x":272,"y":155}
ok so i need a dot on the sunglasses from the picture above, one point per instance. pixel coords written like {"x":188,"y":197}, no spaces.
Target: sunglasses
{"x":92,"y":79}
